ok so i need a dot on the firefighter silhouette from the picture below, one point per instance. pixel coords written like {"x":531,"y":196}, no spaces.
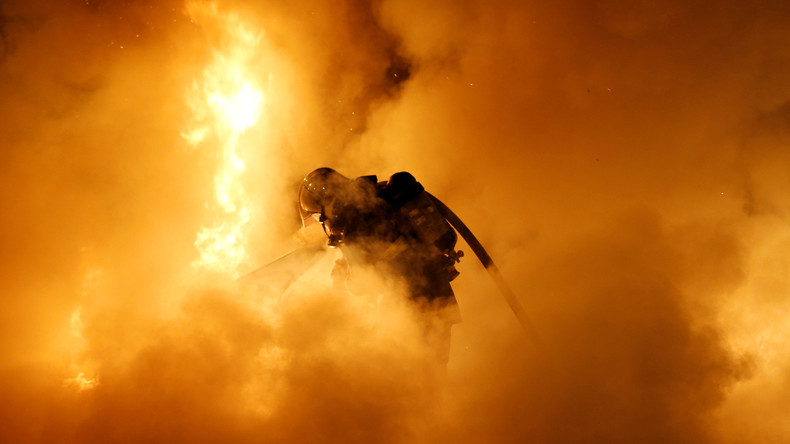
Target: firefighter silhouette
{"x":395,"y":226}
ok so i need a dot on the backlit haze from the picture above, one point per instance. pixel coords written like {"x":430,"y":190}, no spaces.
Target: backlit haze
{"x":625,"y":163}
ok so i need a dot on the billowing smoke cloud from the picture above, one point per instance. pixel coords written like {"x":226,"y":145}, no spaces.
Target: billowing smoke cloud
{"x":622,"y":162}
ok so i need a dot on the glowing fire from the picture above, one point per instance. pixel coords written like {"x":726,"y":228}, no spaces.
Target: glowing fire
{"x":90,"y":283}
{"x":226,"y":102}
{"x":81,"y":382}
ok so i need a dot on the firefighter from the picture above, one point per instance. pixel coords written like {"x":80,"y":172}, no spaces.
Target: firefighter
{"x":394,"y":226}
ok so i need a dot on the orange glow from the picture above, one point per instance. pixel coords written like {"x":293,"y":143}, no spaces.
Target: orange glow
{"x":81,"y":383}
{"x":92,"y":278}
{"x":226,"y":102}
{"x":624,"y":163}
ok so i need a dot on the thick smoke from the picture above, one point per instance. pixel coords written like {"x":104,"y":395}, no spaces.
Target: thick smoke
{"x":622,"y":162}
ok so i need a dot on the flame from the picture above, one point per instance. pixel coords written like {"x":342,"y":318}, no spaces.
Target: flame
{"x":81,"y":383}
{"x":226,"y":102}
{"x":92,"y":278}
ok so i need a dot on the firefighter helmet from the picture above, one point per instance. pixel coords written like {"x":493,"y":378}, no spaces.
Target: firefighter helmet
{"x":317,"y":192}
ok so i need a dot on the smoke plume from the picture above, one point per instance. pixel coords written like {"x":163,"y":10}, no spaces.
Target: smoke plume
{"x":623,"y":163}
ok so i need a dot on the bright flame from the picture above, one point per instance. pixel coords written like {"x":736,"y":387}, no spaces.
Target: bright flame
{"x":239,"y":111}
{"x":92,"y":277}
{"x":226,"y":102}
{"x":81,"y":382}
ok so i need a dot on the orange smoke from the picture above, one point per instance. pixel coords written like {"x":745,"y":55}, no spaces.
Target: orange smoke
{"x":622,"y":162}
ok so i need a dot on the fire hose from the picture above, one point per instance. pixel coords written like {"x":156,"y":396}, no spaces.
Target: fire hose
{"x":489,"y":265}
{"x":292,"y":264}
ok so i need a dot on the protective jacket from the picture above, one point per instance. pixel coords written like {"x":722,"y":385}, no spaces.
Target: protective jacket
{"x":393,"y":225}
